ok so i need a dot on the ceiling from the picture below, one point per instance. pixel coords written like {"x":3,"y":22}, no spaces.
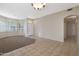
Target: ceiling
{"x":25,"y":10}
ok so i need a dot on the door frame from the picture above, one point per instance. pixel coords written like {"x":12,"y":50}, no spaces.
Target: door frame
{"x":76,"y":25}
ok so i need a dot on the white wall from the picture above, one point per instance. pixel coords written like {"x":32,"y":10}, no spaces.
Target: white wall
{"x":25,"y":28}
{"x":52,"y":26}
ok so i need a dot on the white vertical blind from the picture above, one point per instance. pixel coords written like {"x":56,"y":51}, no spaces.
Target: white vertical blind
{"x":10,"y":27}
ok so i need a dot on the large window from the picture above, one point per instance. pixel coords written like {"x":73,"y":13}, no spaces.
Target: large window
{"x":2,"y":26}
{"x":11,"y":27}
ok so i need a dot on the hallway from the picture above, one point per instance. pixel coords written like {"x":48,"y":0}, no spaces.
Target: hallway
{"x":71,"y":46}
{"x":71,"y":39}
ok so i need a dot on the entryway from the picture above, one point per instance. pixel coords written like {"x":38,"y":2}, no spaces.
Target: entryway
{"x":70,"y":28}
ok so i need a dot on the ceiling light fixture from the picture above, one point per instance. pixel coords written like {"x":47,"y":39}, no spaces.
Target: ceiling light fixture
{"x":38,"y":6}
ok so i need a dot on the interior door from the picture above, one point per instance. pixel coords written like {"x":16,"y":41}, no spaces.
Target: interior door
{"x":30,"y":29}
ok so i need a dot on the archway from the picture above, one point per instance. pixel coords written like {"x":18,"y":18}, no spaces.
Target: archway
{"x":70,"y":28}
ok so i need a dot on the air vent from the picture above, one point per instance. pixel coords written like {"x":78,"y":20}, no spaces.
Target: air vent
{"x":69,"y":9}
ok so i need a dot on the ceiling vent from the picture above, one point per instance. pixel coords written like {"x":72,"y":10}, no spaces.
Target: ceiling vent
{"x":69,"y":9}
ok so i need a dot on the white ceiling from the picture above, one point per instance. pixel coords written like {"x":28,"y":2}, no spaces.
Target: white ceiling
{"x":25,"y":10}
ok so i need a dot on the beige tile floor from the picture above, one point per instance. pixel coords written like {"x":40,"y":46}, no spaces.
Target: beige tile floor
{"x":46,"y":47}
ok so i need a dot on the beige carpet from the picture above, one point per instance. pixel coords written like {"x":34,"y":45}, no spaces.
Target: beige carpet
{"x":8,"y":44}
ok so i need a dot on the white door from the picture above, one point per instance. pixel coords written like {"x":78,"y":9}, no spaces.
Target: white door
{"x":30,"y":29}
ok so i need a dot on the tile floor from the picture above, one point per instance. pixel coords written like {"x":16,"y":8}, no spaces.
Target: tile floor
{"x":46,"y":47}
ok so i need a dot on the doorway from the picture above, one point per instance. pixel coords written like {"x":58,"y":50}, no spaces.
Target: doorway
{"x":70,"y":28}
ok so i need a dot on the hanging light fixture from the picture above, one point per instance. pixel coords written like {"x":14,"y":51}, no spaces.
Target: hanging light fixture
{"x":38,"y":6}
